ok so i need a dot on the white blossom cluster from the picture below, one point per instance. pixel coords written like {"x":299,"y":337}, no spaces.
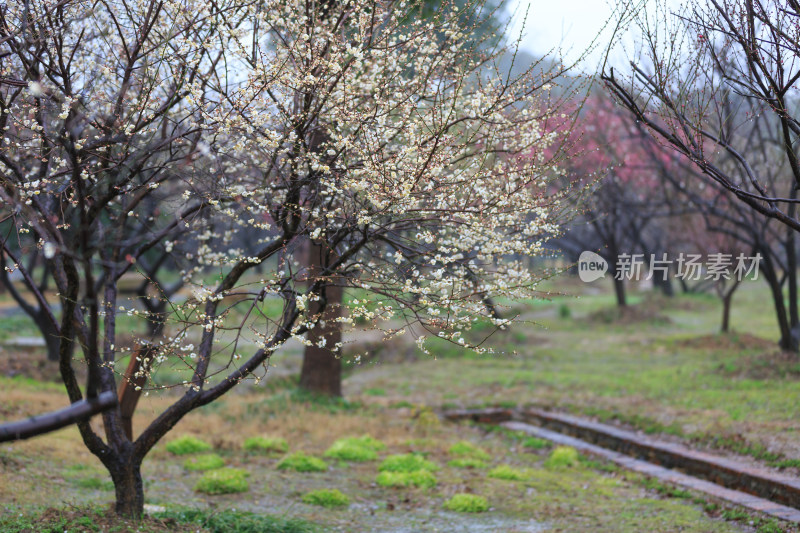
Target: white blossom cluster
{"x":229,"y":135}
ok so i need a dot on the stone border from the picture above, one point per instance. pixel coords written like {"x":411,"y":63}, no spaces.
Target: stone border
{"x":748,"y":501}
{"x":756,"y":489}
{"x":722,"y":471}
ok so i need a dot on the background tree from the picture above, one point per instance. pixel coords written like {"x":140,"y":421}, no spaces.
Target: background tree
{"x":321,"y":370}
{"x":263,"y":122}
{"x":716,"y":82}
{"x":622,"y":211}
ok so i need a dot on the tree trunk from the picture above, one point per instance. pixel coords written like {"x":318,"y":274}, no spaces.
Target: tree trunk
{"x":322,"y":365}
{"x":52,"y":341}
{"x":726,"y":312}
{"x":787,"y":341}
{"x":128,"y":487}
{"x":619,"y":290}
{"x":664,"y":284}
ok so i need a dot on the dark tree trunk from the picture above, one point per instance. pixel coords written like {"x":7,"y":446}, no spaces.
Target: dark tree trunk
{"x":51,"y":338}
{"x":664,"y":284}
{"x":128,"y":487}
{"x":322,"y":366}
{"x":787,"y":341}
{"x":619,"y":290}
{"x":726,"y":312}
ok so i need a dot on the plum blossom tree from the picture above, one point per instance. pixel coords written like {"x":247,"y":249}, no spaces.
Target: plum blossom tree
{"x":717,"y":83}
{"x":137,"y":129}
{"x":622,"y":210}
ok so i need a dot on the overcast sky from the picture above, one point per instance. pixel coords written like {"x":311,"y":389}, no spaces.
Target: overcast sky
{"x":570,"y":25}
{"x":557,"y":23}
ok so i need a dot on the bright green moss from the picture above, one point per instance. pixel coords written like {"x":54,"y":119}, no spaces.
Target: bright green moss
{"x":266,"y":445}
{"x":327,"y":498}
{"x":508,"y":473}
{"x":467,"y":449}
{"x":208,"y":461}
{"x":357,"y":449}
{"x":300,"y":462}
{"x":536,"y":443}
{"x":467,"y":503}
{"x":223,"y":481}
{"x":467,"y":462}
{"x":187,"y":444}
{"x":407,"y":462}
{"x":421,"y":478}
{"x":562,"y":456}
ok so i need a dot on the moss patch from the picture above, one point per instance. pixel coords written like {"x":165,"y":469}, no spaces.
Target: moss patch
{"x":228,"y":521}
{"x":208,"y":461}
{"x":563,"y":456}
{"x":187,"y":444}
{"x":509,"y":473}
{"x":466,"y":462}
{"x":406,"y":462}
{"x":358,"y":449}
{"x":300,"y":462}
{"x":327,"y":498}
{"x":223,"y":481}
{"x":266,"y":445}
{"x":421,"y":478}
{"x":467,"y":503}
{"x":535,"y":443}
{"x":465,"y":448}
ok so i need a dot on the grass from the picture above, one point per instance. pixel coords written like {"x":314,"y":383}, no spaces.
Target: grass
{"x":330,"y":498}
{"x":187,"y":444}
{"x":223,"y":481}
{"x":207,"y":461}
{"x":509,"y":473}
{"x":407,"y":462}
{"x":466,"y":462}
{"x":357,"y":449}
{"x":535,"y":443}
{"x":467,"y":503}
{"x":466,"y":449}
{"x":419,"y":478}
{"x":261,"y":444}
{"x":229,"y":521}
{"x":562,"y":456}
{"x":651,"y":375}
{"x":94,"y":483}
{"x":300,"y":462}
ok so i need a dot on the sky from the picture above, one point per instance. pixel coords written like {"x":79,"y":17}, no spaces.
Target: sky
{"x":569,"y":25}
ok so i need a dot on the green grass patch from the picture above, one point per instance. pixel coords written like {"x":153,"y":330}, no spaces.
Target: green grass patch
{"x":223,"y":481}
{"x":406,"y":462}
{"x":206,"y":461}
{"x":421,"y":478}
{"x":300,"y":462}
{"x":509,"y":473}
{"x":187,"y":444}
{"x":237,"y":521}
{"x":467,"y":449}
{"x":358,"y":449}
{"x":467,"y":503}
{"x":94,"y":483}
{"x":330,"y":498}
{"x":466,"y":462}
{"x":266,"y":445}
{"x":535,"y":443}
{"x":51,"y":522}
{"x":563,"y":456}
{"x":665,"y":489}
